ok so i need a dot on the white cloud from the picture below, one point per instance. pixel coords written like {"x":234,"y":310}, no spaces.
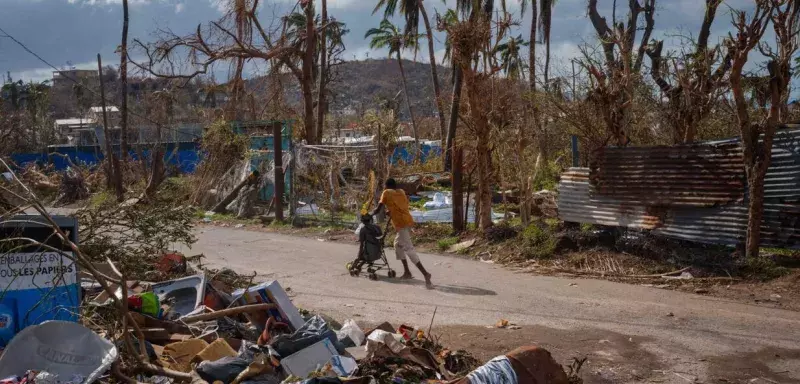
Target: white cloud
{"x":180,"y":7}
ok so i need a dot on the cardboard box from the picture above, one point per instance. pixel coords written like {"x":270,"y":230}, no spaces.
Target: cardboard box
{"x":270,"y":292}
{"x":215,"y":351}
{"x":179,"y":355}
{"x":305,"y":361}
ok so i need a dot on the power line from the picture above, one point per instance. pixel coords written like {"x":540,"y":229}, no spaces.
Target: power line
{"x":94,"y":92}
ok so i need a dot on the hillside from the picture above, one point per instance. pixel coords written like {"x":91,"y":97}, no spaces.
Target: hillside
{"x":359,"y":85}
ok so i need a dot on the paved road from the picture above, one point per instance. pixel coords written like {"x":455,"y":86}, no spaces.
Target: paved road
{"x":475,"y":293}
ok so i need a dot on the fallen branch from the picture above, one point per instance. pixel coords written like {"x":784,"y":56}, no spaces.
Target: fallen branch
{"x":228,"y":312}
{"x":682,"y":270}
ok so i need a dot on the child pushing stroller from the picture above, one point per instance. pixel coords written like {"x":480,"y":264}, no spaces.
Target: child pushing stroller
{"x":370,"y":250}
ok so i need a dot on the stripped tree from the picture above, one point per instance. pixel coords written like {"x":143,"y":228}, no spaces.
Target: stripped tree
{"x":758,"y":131}
{"x":186,"y":57}
{"x":616,"y":78}
{"x":696,"y":85}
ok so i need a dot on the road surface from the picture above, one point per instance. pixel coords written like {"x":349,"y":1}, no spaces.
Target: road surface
{"x":684,"y":336}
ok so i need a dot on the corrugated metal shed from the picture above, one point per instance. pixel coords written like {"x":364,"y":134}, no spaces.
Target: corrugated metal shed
{"x":722,"y":223}
{"x":577,"y":204}
{"x":699,"y":175}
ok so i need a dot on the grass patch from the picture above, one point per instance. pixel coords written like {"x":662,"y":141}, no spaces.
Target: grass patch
{"x":763,"y":268}
{"x":446,"y":243}
{"x":779,"y":251}
{"x":101,"y":198}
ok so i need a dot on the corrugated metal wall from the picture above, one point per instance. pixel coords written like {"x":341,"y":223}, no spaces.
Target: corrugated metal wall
{"x":657,"y":191}
{"x":577,"y":204}
{"x":700,"y":175}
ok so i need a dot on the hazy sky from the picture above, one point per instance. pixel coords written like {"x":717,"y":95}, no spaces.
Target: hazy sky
{"x":74,"y":31}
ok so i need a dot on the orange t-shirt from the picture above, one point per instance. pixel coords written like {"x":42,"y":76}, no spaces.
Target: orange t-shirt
{"x":396,"y":203}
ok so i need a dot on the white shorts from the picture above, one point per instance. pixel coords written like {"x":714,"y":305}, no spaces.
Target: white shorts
{"x":403,"y":246}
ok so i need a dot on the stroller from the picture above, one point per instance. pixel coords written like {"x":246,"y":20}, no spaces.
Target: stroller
{"x":370,"y":250}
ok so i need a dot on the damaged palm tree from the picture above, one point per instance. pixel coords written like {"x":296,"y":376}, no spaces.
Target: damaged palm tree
{"x":474,"y":43}
{"x":757,"y":132}
{"x":696,"y":85}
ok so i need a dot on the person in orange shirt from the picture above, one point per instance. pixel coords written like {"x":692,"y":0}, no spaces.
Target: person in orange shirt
{"x":395,"y":202}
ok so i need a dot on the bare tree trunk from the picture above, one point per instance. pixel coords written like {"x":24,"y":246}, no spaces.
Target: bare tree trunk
{"x":410,"y":110}
{"x":484,"y":179}
{"x":458,"y":191}
{"x":123,"y":80}
{"x":756,"y":171}
{"x":323,"y":73}
{"x":114,"y":173}
{"x":157,"y":172}
{"x":453,"y":123}
{"x":532,"y":53}
{"x":436,"y":89}
{"x":308,"y":63}
{"x":547,"y":64}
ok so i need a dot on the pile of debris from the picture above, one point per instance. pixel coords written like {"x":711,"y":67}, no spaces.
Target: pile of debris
{"x":202,"y":329}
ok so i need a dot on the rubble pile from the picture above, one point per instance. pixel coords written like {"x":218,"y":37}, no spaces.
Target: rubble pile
{"x":219,"y":327}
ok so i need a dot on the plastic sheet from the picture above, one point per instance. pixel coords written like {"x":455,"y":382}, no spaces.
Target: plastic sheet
{"x":62,"y":348}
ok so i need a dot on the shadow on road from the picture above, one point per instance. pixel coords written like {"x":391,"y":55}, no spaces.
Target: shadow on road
{"x":447,"y":288}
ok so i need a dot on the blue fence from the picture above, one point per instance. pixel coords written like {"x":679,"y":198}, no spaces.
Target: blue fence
{"x":405,"y":153}
{"x":184,"y":157}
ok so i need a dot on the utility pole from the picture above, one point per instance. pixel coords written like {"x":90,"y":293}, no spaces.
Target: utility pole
{"x":114,"y":174}
{"x":277,"y":143}
{"x":574,"y":90}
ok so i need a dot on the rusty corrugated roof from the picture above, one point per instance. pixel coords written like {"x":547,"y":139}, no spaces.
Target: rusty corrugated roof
{"x":699,"y":175}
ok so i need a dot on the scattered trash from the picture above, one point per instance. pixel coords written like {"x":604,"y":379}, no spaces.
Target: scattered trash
{"x":700,"y":291}
{"x":272,"y":293}
{"x":181,"y":296}
{"x":225,"y":369}
{"x":181,"y":354}
{"x":683,"y":276}
{"x":573,"y":284}
{"x":351,"y":331}
{"x":774,"y":297}
{"x":670,"y":314}
{"x":343,"y":366}
{"x":173,"y":262}
{"x":505,"y":324}
{"x":239,"y":226}
{"x":309,"y":359}
{"x":68,"y":350}
{"x":463,"y":246}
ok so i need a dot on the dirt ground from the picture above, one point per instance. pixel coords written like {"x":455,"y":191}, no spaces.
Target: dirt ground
{"x":616,"y":358}
{"x":782,"y":292}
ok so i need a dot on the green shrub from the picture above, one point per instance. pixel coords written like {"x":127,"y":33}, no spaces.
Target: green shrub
{"x":586,"y":227}
{"x":538,"y":242}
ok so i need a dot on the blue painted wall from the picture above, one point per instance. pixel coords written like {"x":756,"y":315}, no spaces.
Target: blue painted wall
{"x":405,"y":153}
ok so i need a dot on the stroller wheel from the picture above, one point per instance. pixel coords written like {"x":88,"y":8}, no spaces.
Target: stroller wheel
{"x":392,"y":274}
{"x":373,"y":276}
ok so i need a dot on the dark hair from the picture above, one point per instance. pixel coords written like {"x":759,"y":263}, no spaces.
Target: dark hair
{"x":390,"y":183}
{"x":366,"y":218}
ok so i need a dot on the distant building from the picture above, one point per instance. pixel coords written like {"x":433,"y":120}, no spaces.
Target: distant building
{"x":64,"y":80}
